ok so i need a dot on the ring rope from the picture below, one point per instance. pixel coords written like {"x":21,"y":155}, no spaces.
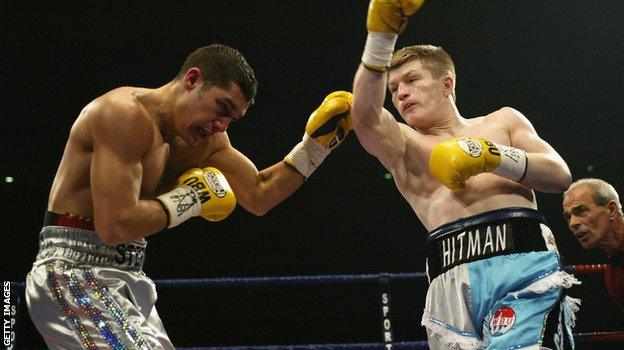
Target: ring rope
{"x":404,"y":345}
{"x":587,"y":268}
{"x":326,"y":279}
{"x":316,"y":279}
{"x":600,"y":336}
{"x":286,"y":280}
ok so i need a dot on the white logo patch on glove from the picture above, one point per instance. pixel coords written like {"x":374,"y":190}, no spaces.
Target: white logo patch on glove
{"x":215,"y":185}
{"x":471,"y":146}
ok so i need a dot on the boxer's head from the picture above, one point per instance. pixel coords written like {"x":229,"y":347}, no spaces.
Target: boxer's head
{"x":421,"y":80}
{"x":432,"y":58}
{"x":222,"y":65}
{"x":219,"y":86}
{"x":592,"y":209}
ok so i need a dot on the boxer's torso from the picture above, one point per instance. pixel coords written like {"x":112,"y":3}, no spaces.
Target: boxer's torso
{"x":162,"y":162}
{"x":433,"y":202}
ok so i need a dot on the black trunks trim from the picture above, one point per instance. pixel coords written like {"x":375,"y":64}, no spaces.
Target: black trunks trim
{"x":489,"y":234}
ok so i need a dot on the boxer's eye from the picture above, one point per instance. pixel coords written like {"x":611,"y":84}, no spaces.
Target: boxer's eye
{"x":224,"y":109}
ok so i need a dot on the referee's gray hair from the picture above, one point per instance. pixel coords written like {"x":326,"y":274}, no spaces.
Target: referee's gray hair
{"x":602,"y":191}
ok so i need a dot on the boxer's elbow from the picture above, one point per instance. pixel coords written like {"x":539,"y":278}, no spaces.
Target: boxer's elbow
{"x":258,"y":204}
{"x":270,"y":191}
{"x":259,"y":210}
{"x":110,"y":237}
{"x":259,"y":213}
{"x":548,"y":174}
{"x":563,"y":181}
{"x":113,"y":232}
{"x":555,"y":182}
{"x":562,"y":177}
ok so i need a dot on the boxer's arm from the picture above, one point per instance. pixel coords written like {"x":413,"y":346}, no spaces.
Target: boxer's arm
{"x":121,"y":136}
{"x":256,"y":191}
{"x":376,"y":128}
{"x":546,"y":170}
{"x":259,"y":191}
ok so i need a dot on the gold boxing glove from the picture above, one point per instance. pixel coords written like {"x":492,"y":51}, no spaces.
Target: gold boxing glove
{"x":200,"y":192}
{"x":455,"y":161}
{"x":386,"y":19}
{"x":327,"y":127}
{"x":390,"y":16}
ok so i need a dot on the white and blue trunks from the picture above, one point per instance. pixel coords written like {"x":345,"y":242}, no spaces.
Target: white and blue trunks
{"x":496,"y":282}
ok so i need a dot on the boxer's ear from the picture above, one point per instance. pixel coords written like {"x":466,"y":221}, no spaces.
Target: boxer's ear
{"x":192,"y":78}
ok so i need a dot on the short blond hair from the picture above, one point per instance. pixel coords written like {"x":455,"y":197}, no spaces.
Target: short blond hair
{"x":433,"y":58}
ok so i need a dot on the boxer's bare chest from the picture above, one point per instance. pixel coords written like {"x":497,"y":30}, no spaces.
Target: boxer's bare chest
{"x":434,"y":203}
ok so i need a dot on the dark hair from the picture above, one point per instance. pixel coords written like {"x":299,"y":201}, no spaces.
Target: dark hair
{"x":221,"y":66}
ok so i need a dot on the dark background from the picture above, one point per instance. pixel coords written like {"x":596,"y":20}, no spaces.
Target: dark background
{"x":559,"y":62}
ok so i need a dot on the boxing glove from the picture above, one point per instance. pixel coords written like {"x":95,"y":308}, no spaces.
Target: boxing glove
{"x":453,"y":162}
{"x":326,"y":128}
{"x":200,"y":192}
{"x":386,"y":19}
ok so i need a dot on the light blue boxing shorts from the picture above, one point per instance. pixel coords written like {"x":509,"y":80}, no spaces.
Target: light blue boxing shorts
{"x":82,"y":294}
{"x":496,"y":282}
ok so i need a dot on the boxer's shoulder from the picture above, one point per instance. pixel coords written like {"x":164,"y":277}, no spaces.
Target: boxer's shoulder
{"x":119,"y":113}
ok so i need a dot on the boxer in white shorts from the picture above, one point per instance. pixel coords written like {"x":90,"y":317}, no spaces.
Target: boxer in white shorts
{"x":141,"y":160}
{"x":100,"y":290}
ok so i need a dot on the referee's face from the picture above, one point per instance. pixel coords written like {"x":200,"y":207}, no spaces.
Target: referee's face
{"x":589,"y":222}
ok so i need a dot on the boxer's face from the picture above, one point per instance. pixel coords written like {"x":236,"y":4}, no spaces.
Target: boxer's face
{"x":206,"y":110}
{"x":416,"y":94}
{"x":589,"y":222}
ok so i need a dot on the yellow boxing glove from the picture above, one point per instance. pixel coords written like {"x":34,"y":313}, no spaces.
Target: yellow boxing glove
{"x":327,"y":127}
{"x":390,"y":16}
{"x":455,"y":161}
{"x":386,"y":19}
{"x":200,"y":192}
{"x":330,"y":123}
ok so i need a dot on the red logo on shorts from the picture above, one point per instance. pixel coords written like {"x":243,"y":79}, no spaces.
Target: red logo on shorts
{"x":502,"y":321}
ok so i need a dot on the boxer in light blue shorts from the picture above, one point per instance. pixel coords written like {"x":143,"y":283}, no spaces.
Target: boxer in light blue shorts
{"x":497,"y":283}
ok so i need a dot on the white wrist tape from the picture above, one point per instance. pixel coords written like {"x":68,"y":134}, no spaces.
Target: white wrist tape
{"x":181,"y":203}
{"x":378,"y":50}
{"x":513,"y":163}
{"x":306,"y":155}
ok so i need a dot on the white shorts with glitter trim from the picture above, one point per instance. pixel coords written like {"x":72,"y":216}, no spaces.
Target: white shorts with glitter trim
{"x":82,"y":294}
{"x":507,"y":296}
